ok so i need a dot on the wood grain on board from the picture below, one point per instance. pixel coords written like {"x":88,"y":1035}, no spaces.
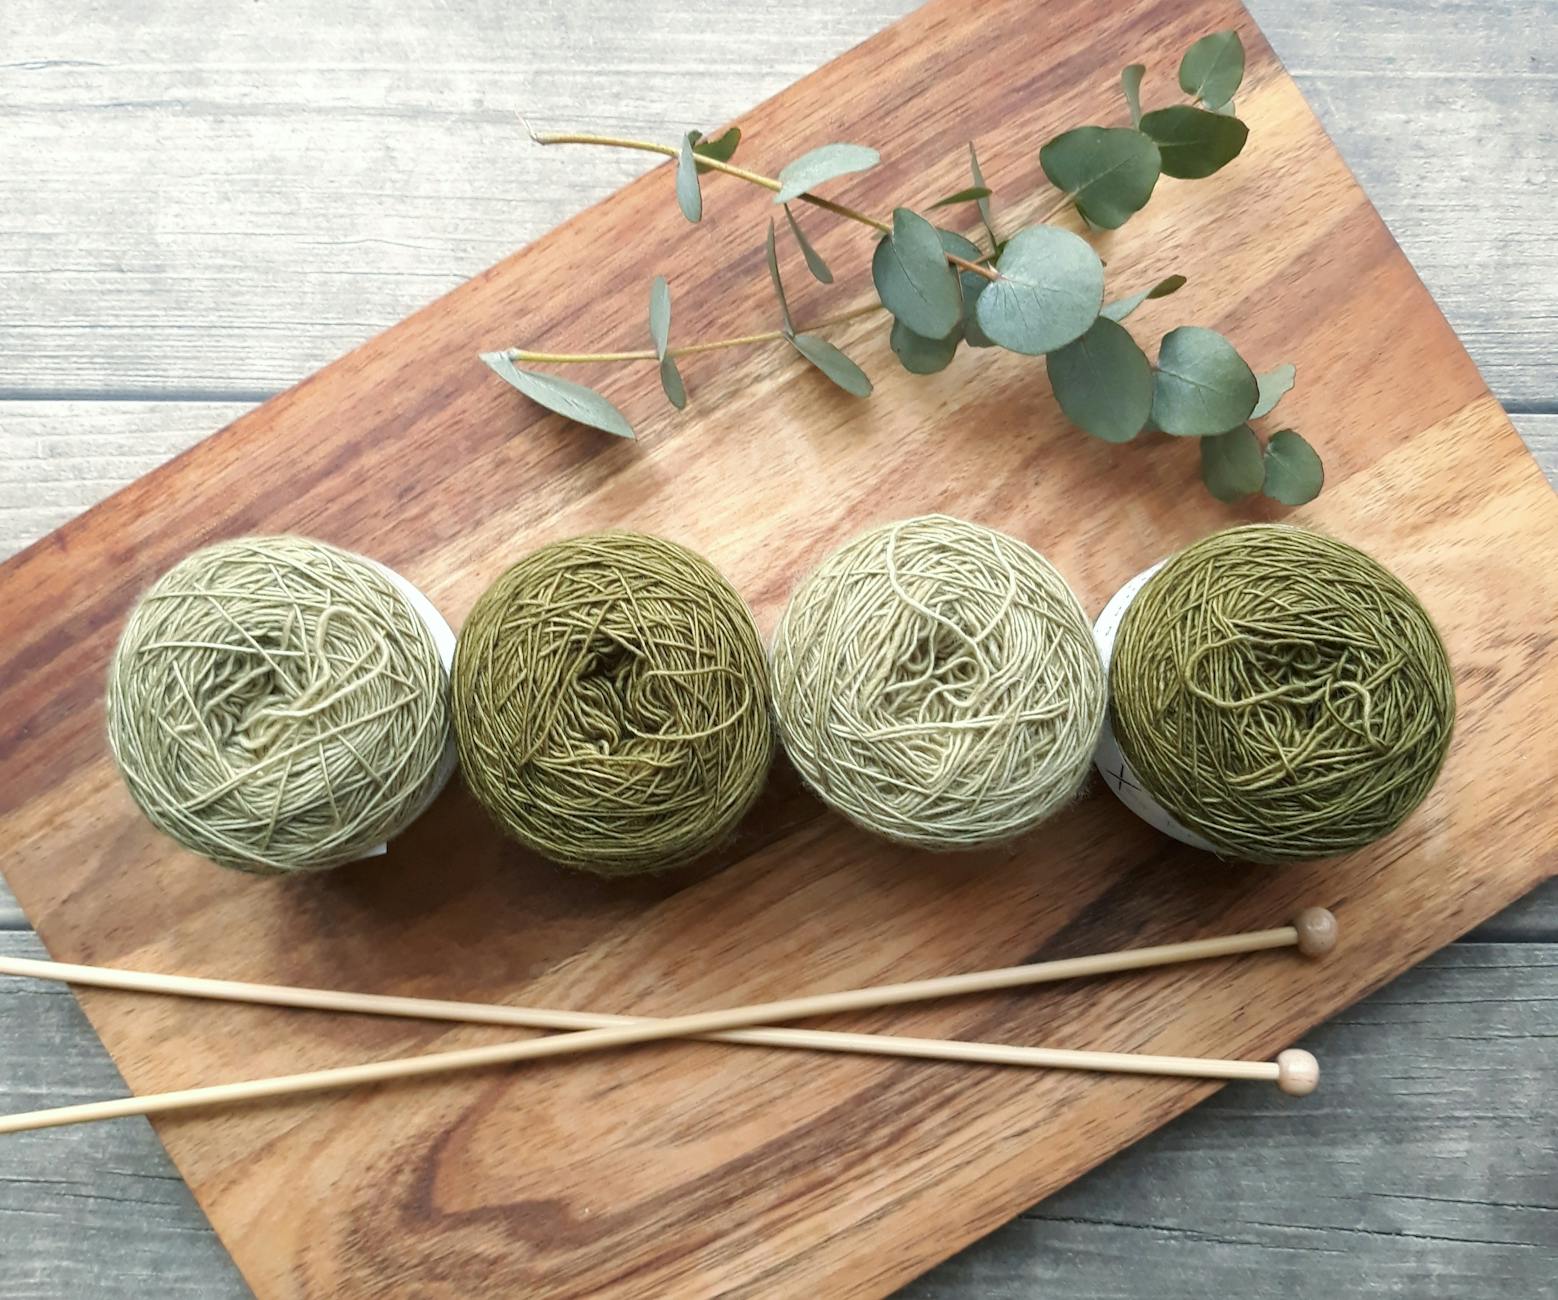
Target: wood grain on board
{"x":692,"y":1169}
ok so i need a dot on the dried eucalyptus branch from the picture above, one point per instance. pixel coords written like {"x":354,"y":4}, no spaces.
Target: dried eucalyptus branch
{"x":1039,"y":292}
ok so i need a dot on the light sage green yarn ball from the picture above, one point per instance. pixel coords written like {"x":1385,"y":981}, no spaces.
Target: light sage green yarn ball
{"x":278,"y":705}
{"x":937,"y":682}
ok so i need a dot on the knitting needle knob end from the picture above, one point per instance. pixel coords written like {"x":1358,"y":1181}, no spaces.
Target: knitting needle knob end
{"x":1316,"y":931}
{"x":1298,"y":1073}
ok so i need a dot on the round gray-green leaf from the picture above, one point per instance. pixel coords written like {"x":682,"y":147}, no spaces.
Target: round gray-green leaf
{"x":1130,"y":83}
{"x":1050,"y":288}
{"x":1202,"y":386}
{"x":833,"y":363}
{"x":568,"y":399}
{"x":971,"y":195}
{"x":979,"y":183}
{"x":1231,"y":464}
{"x":814,"y":263}
{"x":1274,"y":385}
{"x":913,"y":278}
{"x":1123,"y":307}
{"x":773,"y":274}
{"x":1103,"y":382}
{"x":973,"y":285}
{"x":920,"y":355}
{"x":1108,"y":171}
{"x":1213,"y":68}
{"x":887,"y":274}
{"x":689,"y":196}
{"x":1192,"y":142}
{"x":1294,"y":474}
{"x":671,"y":381}
{"x":660,"y":314}
{"x":823,"y":164}
{"x":722,"y":148}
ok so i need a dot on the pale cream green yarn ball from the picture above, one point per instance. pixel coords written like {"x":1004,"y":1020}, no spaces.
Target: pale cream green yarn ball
{"x":278,"y":705}
{"x":937,"y":682}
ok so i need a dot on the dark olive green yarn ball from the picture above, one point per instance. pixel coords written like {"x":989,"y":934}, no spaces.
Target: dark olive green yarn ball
{"x":611,"y":704}
{"x":1281,"y":694}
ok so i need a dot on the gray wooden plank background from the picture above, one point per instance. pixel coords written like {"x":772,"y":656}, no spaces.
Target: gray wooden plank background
{"x":198,"y":207}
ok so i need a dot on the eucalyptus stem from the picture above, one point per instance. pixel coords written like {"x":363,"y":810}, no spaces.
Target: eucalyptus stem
{"x":691,"y":349}
{"x":754,"y":178}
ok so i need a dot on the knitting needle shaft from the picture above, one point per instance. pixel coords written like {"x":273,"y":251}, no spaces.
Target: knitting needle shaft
{"x":1295,"y":1071}
{"x":1312,"y":932}
{"x":623,"y":1032}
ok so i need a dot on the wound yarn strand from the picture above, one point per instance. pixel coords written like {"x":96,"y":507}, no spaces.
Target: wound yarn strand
{"x":936,"y":682}
{"x":611,"y":703}
{"x":277,"y":705}
{"x":1281,"y":693}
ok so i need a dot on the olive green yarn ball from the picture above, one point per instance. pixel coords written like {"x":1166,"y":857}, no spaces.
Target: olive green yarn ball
{"x":1281,"y":694}
{"x":278,"y":705}
{"x":937,"y":683}
{"x":611,"y":704}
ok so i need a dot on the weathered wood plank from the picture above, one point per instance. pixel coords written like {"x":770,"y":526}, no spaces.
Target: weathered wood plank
{"x":59,"y":458}
{"x":1426,"y":1166}
{"x":237,"y":207}
{"x":103,"y":1212}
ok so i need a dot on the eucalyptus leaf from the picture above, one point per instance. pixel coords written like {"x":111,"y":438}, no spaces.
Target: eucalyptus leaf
{"x":1049,"y":289}
{"x":1192,"y":142}
{"x":920,"y":355}
{"x":1294,"y":474}
{"x":1231,"y":464}
{"x":660,"y":315}
{"x":972,"y":286}
{"x":913,"y":278}
{"x":671,"y":381}
{"x":1130,"y":83}
{"x":721,"y":148}
{"x":887,"y":273}
{"x":1103,"y":382}
{"x":833,"y":363}
{"x":823,"y":164}
{"x":1226,"y":110}
{"x":979,"y":183}
{"x":568,"y":399}
{"x":1213,"y":68}
{"x":1274,"y":385}
{"x":814,"y":262}
{"x":1201,"y":386}
{"x":1108,"y":171}
{"x":773,"y":274}
{"x":1123,"y":307}
{"x":971,"y":195}
{"x":689,"y":196}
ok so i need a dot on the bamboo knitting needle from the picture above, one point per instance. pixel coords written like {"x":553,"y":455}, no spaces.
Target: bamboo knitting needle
{"x":1313,"y":932}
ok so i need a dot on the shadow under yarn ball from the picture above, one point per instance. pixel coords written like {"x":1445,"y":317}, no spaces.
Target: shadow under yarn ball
{"x":278,"y":705}
{"x":1281,"y":694}
{"x":937,"y":682}
{"x":611,"y":704}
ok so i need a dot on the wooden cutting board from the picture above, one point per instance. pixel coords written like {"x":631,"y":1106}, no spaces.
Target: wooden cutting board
{"x":692,"y":1170}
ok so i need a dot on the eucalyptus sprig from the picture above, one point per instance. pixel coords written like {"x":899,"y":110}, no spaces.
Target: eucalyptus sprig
{"x":1039,"y":291}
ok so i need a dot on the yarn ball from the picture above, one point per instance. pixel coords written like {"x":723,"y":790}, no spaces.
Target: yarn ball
{"x":1281,"y":694}
{"x":937,"y":683}
{"x":278,"y":705}
{"x":611,"y":704}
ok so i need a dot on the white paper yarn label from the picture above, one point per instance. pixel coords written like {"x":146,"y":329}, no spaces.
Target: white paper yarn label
{"x":1117,"y":773}
{"x":443,"y":640}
